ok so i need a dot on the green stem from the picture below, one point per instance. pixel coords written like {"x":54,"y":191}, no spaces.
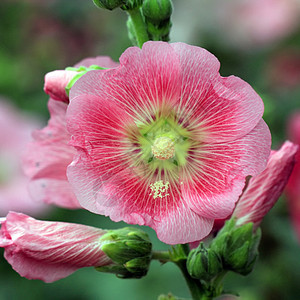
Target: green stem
{"x":194,"y":285}
{"x":162,"y":256}
{"x":139,"y":26}
{"x":218,"y":280}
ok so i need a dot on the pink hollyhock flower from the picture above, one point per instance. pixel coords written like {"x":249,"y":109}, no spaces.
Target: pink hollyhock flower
{"x":263,"y":190}
{"x":47,"y":250}
{"x":258,"y":22}
{"x":48,"y":155}
{"x":164,"y":140}
{"x":56,"y":81}
{"x":14,"y":135}
{"x":293,"y":186}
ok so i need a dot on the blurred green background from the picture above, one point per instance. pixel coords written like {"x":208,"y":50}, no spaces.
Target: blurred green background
{"x":39,"y":36}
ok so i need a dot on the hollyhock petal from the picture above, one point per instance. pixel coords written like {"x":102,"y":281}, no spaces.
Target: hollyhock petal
{"x":173,"y":221}
{"x":146,"y":78}
{"x":102,"y":61}
{"x":221,"y":171}
{"x":49,"y":251}
{"x":181,"y":226}
{"x":223,"y":108}
{"x":46,"y":159}
{"x":264,"y":189}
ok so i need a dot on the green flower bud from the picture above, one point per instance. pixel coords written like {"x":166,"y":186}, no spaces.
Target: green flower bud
{"x":204,"y":263}
{"x":237,"y":246}
{"x":157,"y":15}
{"x":108,"y":4}
{"x":129,"y":249}
{"x":157,"y":10}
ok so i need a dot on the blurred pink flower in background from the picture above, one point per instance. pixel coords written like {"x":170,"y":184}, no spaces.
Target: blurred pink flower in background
{"x":293,"y":187}
{"x":283,"y":69}
{"x":47,"y":157}
{"x":164,"y":140}
{"x":14,"y":135}
{"x":47,"y":250}
{"x":257,"y":22}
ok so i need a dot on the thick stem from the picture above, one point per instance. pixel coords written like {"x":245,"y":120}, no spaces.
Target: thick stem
{"x":194,"y":285}
{"x":139,"y":26}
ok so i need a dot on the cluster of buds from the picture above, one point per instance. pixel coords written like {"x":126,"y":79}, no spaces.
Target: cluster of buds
{"x":155,"y":14}
{"x":235,"y":248}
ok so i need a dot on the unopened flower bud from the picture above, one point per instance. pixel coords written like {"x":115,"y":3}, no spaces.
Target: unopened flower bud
{"x":157,"y":15}
{"x":157,"y":10}
{"x":237,"y":246}
{"x":47,"y":250}
{"x":203,"y":263}
{"x":129,"y":249}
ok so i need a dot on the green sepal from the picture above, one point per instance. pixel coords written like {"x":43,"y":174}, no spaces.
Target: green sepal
{"x":131,"y":4}
{"x":138,"y":266}
{"x":237,"y":246}
{"x":81,"y":71}
{"x":118,"y":270}
{"x":108,"y":4}
{"x":179,"y":252}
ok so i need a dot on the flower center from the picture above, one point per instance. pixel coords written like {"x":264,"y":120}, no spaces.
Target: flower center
{"x":163,"y":148}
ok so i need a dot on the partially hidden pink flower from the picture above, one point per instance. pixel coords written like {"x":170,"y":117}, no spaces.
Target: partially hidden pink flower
{"x":15,"y":133}
{"x":56,"y":81}
{"x":164,"y":140}
{"x":47,"y":250}
{"x":293,"y":186}
{"x":46,"y":158}
{"x":263,"y":190}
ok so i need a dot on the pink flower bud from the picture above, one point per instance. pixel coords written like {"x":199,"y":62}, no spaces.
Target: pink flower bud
{"x":56,"y":82}
{"x":47,"y":250}
{"x":264,"y":190}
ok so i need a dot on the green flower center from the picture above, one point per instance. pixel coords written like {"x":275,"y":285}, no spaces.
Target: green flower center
{"x":163,"y":143}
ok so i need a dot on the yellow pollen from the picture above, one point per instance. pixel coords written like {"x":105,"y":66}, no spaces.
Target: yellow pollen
{"x":163,"y":148}
{"x":159,"y":189}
